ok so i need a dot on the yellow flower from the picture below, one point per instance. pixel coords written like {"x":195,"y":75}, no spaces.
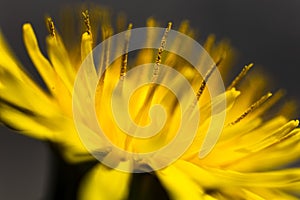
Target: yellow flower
{"x":247,"y":162}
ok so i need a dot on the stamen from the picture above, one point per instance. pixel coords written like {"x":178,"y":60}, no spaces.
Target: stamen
{"x":106,"y":31}
{"x":275,"y":98}
{"x":160,"y":51}
{"x":207,"y":76}
{"x":255,"y":105}
{"x":86,"y":18}
{"x":107,"y":48}
{"x":150,"y":93}
{"x":125,"y":53}
{"x":240,"y":76}
{"x":50,"y":25}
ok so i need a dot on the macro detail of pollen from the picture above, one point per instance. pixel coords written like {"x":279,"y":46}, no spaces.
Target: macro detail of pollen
{"x":254,"y":144}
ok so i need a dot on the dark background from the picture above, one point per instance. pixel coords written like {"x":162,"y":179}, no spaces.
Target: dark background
{"x":266,"y":32}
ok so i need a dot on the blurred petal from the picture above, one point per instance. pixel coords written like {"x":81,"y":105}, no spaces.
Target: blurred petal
{"x":105,"y":183}
{"x":60,"y":60}
{"x":180,"y":186}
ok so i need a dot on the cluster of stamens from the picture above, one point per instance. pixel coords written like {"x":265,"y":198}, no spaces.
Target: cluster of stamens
{"x":158,"y":60}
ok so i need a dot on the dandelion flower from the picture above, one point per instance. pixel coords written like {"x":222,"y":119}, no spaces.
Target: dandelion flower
{"x":248,"y":160}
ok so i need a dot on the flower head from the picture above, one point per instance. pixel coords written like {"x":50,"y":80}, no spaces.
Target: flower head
{"x":246,"y":162}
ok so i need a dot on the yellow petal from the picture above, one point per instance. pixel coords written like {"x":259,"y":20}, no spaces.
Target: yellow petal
{"x":179,"y":185}
{"x":288,"y":179}
{"x":41,"y":63}
{"x":218,"y":103}
{"x":51,"y":78}
{"x":26,"y":97}
{"x":24,"y":123}
{"x":205,"y":115}
{"x":275,"y":156}
{"x":249,"y":143}
{"x":60,"y":60}
{"x":269,"y":194}
{"x":254,"y":142}
{"x":86,"y":45}
{"x":105,"y":183}
{"x":9,"y":63}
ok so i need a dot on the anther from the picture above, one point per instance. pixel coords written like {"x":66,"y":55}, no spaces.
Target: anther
{"x":207,"y":76}
{"x":160,"y":51}
{"x":86,"y":18}
{"x":254,"y":106}
{"x":50,"y":25}
{"x":241,"y":75}
{"x":125,"y":53}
